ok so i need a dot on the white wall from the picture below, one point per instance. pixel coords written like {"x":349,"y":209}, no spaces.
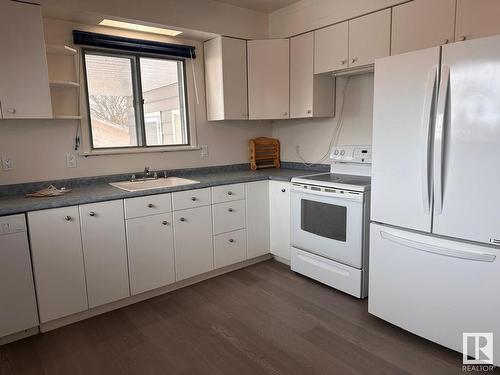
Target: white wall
{"x":39,"y":148}
{"x":314,"y":135}
{"x":307,"y":15}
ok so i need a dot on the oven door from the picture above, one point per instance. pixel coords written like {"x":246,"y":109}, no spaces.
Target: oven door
{"x":328,"y":224}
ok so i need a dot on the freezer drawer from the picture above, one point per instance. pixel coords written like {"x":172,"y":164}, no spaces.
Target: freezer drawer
{"x":337,"y":275}
{"x":435,"y":288}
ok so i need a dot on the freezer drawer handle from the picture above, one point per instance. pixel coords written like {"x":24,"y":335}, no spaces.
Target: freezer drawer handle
{"x":439,"y":250}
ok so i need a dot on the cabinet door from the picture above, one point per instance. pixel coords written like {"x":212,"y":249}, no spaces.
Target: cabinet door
{"x":193,"y":242}
{"x":226,"y":79}
{"x":369,"y":38}
{"x":331,"y":48}
{"x":279,"y":199}
{"x":257,"y":201}
{"x":56,"y":248}
{"x":24,"y":77}
{"x":268,"y":79}
{"x":301,"y":75}
{"x":477,"y":18}
{"x":150,"y":241}
{"x":104,"y":252}
{"x":421,"y":24}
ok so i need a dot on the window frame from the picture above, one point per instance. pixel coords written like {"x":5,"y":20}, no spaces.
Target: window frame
{"x":139,"y":101}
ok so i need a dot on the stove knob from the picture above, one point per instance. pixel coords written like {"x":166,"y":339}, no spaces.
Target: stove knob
{"x":342,"y":152}
{"x":336,"y":152}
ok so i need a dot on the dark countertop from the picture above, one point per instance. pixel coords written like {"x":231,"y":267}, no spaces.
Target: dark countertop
{"x":100,"y":192}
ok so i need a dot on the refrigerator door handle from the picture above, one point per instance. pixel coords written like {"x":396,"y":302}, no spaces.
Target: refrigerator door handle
{"x":426,"y":128}
{"x":439,"y":138}
{"x":439,"y":250}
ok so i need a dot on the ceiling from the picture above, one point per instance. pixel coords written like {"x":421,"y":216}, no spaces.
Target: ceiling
{"x":265,"y":6}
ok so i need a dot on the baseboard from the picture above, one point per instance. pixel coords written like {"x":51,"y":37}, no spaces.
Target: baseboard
{"x":19,"y":335}
{"x":48,"y":326}
{"x":281,"y":260}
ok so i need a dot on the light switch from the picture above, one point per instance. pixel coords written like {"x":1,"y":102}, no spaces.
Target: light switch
{"x":7,"y":163}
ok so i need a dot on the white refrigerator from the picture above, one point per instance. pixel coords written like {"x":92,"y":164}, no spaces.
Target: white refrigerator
{"x":435,"y":211}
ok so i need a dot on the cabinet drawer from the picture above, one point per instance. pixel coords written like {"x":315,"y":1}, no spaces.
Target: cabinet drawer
{"x":149,"y":205}
{"x":191,"y":198}
{"x":229,"y":216}
{"x":230,"y":248}
{"x":228,"y":193}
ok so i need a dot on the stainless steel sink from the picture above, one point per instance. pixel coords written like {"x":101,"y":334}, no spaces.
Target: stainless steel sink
{"x":152,"y":183}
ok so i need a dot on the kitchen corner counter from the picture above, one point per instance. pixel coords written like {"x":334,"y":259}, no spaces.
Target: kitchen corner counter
{"x":99,"y":192}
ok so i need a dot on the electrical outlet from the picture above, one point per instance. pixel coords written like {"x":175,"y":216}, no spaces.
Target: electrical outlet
{"x":7,"y":163}
{"x":204,"y":151}
{"x":70,"y":160}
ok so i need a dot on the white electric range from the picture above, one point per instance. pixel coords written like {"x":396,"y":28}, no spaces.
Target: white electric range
{"x":330,"y":214}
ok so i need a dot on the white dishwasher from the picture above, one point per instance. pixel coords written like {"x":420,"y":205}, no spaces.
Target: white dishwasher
{"x":18,"y":309}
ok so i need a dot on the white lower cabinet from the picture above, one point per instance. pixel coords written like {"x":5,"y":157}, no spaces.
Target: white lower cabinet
{"x":58,"y":266}
{"x":230,"y":248}
{"x":228,"y":216}
{"x":104,"y":252}
{"x":150,"y":252}
{"x":279,"y":206}
{"x":257,"y":210}
{"x":194,"y":253}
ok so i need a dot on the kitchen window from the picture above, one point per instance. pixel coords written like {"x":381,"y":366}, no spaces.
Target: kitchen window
{"x":135,"y":100}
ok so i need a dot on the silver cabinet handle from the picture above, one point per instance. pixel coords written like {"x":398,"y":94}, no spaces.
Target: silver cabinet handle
{"x":283,"y":190}
{"x":285,"y":113}
{"x":182,"y":219}
{"x":165,"y":222}
{"x":194,"y":199}
{"x":229,"y":193}
{"x":445,"y":41}
{"x":231,"y":240}
{"x":354,"y":59}
{"x":68,"y":218}
{"x":309,"y":111}
{"x":151,"y":205}
{"x":343,"y":62}
{"x":230,"y":209}
{"x":91,"y":213}
{"x":11,"y":110}
{"x":462,"y":38}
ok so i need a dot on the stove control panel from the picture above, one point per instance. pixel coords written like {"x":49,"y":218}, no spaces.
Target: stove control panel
{"x":361,"y":154}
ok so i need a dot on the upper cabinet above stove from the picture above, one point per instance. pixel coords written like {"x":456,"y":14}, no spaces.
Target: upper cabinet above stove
{"x":24,"y":77}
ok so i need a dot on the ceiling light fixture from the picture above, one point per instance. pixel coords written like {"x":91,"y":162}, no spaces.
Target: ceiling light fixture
{"x":137,"y":27}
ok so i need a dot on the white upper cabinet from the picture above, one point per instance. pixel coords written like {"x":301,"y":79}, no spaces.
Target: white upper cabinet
{"x":331,"y":48}
{"x":268,"y":79}
{"x":310,"y":95}
{"x":477,"y":18}
{"x":104,"y":252}
{"x":24,"y":78}
{"x":226,"y":79}
{"x":369,"y":38}
{"x":422,"y":24}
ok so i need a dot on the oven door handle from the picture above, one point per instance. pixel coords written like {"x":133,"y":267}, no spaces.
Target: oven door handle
{"x":349,"y":196}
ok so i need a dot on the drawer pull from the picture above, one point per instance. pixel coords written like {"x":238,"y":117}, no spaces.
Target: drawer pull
{"x":230,"y":209}
{"x":283,"y":190}
{"x":194,"y":199}
{"x":182,"y":219}
{"x":68,"y":218}
{"x":229,"y":193}
{"x":231,"y":240}
{"x":165,"y":222}
{"x":91,"y":213}
{"x":151,"y":205}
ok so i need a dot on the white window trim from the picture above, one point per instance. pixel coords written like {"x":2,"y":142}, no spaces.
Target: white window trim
{"x":84,"y":133}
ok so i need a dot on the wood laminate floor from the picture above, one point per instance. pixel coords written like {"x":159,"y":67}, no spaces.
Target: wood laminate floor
{"x":263,"y":319}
